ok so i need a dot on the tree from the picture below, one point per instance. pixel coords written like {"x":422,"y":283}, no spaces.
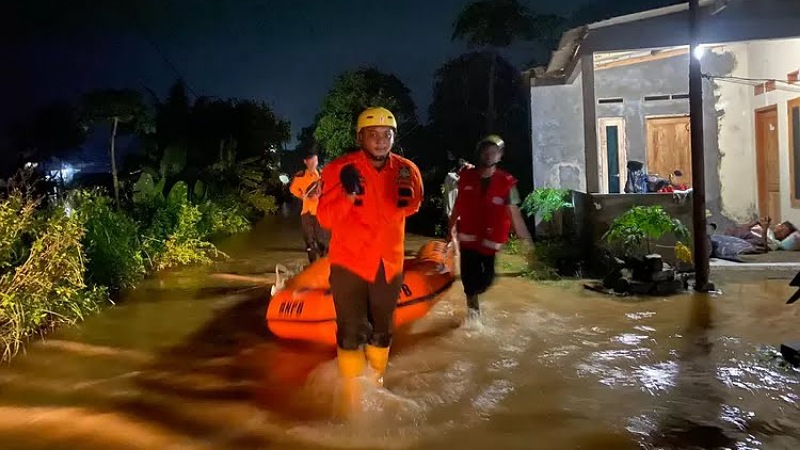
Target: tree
{"x":456,"y":112}
{"x":492,"y":24}
{"x":352,"y":92}
{"x":173,"y":117}
{"x":125,"y":111}
{"x":253,"y":125}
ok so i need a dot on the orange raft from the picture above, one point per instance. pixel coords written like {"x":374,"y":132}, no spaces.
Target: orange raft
{"x":302,"y":308}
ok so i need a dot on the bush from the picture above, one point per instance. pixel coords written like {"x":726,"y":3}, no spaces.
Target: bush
{"x":171,"y":233}
{"x":48,"y":256}
{"x":545,"y":202}
{"x":222,"y":217}
{"x":264,"y":204}
{"x":48,"y":287}
{"x":111,"y":241}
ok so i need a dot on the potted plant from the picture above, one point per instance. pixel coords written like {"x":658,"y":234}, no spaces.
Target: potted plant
{"x":643,"y":224}
{"x":631,"y":237}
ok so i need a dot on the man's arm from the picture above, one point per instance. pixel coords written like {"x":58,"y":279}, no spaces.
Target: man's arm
{"x":334,"y":205}
{"x":520,"y":229}
{"x":296,"y":187}
{"x":418,"y":191}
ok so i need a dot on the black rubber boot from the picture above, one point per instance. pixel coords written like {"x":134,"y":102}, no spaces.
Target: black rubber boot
{"x":473,"y":307}
{"x":312,"y":255}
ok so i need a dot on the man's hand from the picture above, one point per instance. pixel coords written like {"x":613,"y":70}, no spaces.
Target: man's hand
{"x":313,"y":190}
{"x":351,"y":180}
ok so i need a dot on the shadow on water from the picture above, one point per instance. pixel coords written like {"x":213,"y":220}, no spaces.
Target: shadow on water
{"x":692,"y":415}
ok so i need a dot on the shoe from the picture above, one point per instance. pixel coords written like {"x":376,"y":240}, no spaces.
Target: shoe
{"x":378,"y":359}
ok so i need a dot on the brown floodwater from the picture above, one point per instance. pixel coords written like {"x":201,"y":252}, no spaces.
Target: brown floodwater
{"x":184,"y":362}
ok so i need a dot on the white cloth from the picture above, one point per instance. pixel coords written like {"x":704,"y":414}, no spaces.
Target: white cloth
{"x":450,"y":191}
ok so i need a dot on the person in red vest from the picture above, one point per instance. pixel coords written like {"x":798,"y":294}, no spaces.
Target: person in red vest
{"x":366,"y":197}
{"x":485,"y":211}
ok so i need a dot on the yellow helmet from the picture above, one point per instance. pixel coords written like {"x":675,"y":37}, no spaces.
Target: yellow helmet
{"x":491,"y":139}
{"x":376,"y":117}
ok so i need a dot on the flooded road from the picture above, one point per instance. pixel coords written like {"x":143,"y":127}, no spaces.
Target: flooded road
{"x":185,"y":362}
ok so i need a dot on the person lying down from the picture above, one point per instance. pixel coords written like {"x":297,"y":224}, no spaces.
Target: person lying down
{"x":750,"y":238}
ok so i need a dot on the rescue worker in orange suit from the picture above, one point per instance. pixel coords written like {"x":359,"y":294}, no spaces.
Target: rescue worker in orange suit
{"x":484,"y":212}
{"x":305,"y":186}
{"x":366,"y":197}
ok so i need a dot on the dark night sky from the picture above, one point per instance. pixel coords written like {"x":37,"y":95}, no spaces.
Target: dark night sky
{"x":282,"y":51}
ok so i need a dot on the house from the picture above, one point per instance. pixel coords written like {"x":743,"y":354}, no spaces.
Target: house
{"x":618,"y":90}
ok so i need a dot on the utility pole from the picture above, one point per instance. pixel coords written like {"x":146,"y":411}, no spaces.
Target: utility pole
{"x":700,"y":230}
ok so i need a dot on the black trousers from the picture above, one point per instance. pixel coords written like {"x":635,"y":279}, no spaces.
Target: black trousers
{"x":364,"y":310}
{"x":477,"y":274}
{"x":315,"y":237}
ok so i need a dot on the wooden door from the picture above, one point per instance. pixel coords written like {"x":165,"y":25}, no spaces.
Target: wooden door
{"x":767,"y":164}
{"x":669,"y":147}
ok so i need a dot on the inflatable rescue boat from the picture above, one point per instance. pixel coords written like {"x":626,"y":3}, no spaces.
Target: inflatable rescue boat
{"x":301,"y":307}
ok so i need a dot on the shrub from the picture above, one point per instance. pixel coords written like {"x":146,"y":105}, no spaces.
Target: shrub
{"x":175,"y":238}
{"x":224,"y":216}
{"x":111,"y":241}
{"x":262,"y":203}
{"x":16,"y":224}
{"x":48,"y":287}
{"x":545,"y":202}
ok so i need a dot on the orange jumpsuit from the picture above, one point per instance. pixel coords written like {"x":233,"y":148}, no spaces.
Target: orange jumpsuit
{"x":367,"y":244}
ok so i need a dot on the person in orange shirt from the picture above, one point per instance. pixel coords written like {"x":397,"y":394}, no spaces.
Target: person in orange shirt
{"x":366,"y":198}
{"x":305,"y":186}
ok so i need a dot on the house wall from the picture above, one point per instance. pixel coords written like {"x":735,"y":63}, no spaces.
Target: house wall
{"x":557,"y":136}
{"x":632,"y":83}
{"x":557,"y":126}
{"x":775,"y":60}
{"x":736,"y":133}
{"x":736,"y":103}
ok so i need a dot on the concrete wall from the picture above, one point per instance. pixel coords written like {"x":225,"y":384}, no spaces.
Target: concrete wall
{"x":736,"y":104}
{"x":774,"y":60}
{"x":736,"y":134}
{"x":604,"y":208}
{"x":632,"y":83}
{"x":557,"y":136}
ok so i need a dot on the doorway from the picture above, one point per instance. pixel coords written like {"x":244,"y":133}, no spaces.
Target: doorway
{"x":612,"y":153}
{"x":767,"y":164}
{"x":669,"y":147}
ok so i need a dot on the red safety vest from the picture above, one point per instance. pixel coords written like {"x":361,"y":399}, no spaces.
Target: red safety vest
{"x":484,"y":219}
